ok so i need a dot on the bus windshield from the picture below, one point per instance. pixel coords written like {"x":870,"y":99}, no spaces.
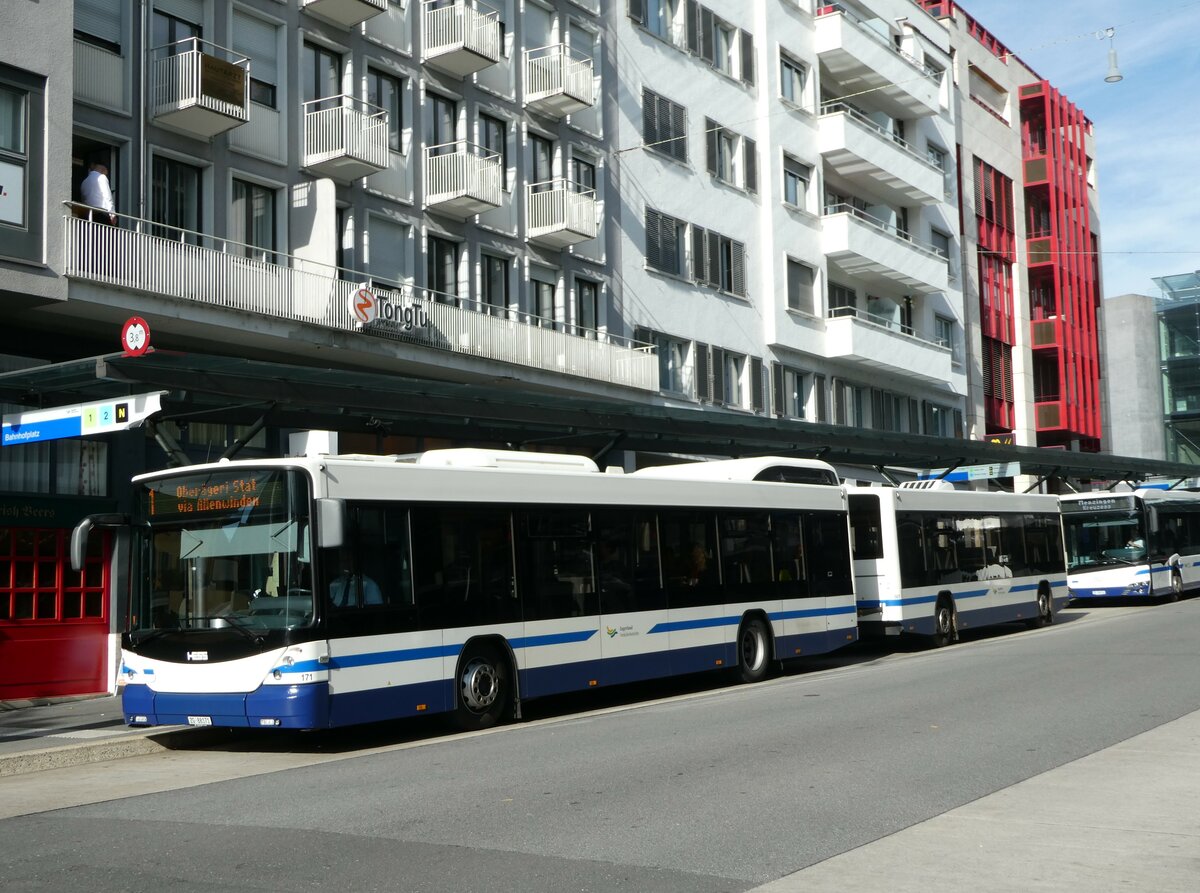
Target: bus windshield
{"x":224,"y":549}
{"x":1104,"y":539}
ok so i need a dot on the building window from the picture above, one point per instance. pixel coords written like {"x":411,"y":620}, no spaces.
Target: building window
{"x":587,"y":307}
{"x":387,"y":252}
{"x":98,"y":22}
{"x":734,"y":380}
{"x":664,"y":126}
{"x":252,"y":219}
{"x":943,"y":332}
{"x":800,"y":278}
{"x":660,"y":18}
{"x":941,"y":242}
{"x":14,"y":156}
{"x":494,"y":291}
{"x":796,"y":179}
{"x":664,"y":243}
{"x":936,"y":156}
{"x":583,"y":175}
{"x":320,"y":73}
{"x":730,"y":157}
{"x":788,"y":385}
{"x":441,"y":269}
{"x":544,"y":303}
{"x":541,"y":163}
{"x":718,"y":261}
{"x":175,"y":193}
{"x":493,"y":136}
{"x":169,"y":30}
{"x":842,"y":300}
{"x":256,"y":40}
{"x":793,"y":79}
{"x":387,"y":92}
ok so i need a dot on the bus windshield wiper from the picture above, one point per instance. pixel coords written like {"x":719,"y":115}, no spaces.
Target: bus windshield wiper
{"x":149,"y":635}
{"x":232,"y":621}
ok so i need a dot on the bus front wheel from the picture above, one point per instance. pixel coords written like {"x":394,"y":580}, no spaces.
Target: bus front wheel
{"x":754,"y":650}
{"x":485,"y":688}
{"x":945,"y":622}
{"x":1045,"y":609}
{"x":1176,"y":587}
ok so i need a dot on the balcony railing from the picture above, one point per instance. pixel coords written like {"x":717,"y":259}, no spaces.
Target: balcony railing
{"x":462,"y":36}
{"x":142,"y":256}
{"x":887,"y":228}
{"x":346,"y":13}
{"x":344,"y":137}
{"x":558,"y":81}
{"x":462,"y":179}
{"x":861,"y":119}
{"x":560,"y":213}
{"x":825,"y":9}
{"x":199,"y":87}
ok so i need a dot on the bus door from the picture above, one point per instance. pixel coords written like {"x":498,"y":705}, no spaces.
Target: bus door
{"x":634,"y":631}
{"x":700,"y":638}
{"x":870,"y":563}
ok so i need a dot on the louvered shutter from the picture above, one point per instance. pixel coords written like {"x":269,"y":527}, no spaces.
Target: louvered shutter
{"x":668,"y":240}
{"x":708,"y":50}
{"x":637,"y":11}
{"x":750,"y":159}
{"x":711,"y":136}
{"x":747,"y":58}
{"x":653,"y":240}
{"x":756,"y":384}
{"x":703,"y":383}
{"x":255,"y":39}
{"x":717,"y":366}
{"x":692,"y":26}
{"x":822,"y":398}
{"x":777,"y":397}
{"x":649,"y":117}
{"x":678,"y":147}
{"x":698,"y":254}
{"x":189,"y":10}
{"x":737,"y":260}
{"x":99,"y":18}
{"x":712,"y":272}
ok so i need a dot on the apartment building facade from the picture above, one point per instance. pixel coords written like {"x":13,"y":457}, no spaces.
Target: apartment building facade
{"x":737,"y":207}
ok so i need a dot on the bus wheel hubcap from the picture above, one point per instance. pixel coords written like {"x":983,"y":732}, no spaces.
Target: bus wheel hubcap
{"x":480,"y":685}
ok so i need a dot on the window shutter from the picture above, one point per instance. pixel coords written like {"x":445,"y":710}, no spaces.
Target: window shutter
{"x":643,"y":335}
{"x":737,"y":259}
{"x":189,"y":10}
{"x":692,"y":26}
{"x":703,"y":383}
{"x":255,"y":39}
{"x":698,"y":254}
{"x":668,"y":243}
{"x":99,"y":18}
{"x":821,"y":397}
{"x":750,"y":152}
{"x":649,"y":117}
{"x":756,"y":384}
{"x":637,"y":11}
{"x":712,"y":273}
{"x":747,"y":58}
{"x":958,"y":423}
{"x":708,"y":50}
{"x":678,"y":146}
{"x":717,"y":366}
{"x":777,"y":398}
{"x":927,"y":411}
{"x":653,"y":241}
{"x":710,"y":145}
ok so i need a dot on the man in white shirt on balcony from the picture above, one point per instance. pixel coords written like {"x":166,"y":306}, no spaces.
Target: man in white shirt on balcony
{"x":97,"y":193}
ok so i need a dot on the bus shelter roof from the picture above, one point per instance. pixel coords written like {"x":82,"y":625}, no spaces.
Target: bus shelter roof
{"x":237,"y":390}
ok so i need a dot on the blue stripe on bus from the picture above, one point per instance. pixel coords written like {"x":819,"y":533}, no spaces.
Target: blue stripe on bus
{"x":673,"y":626}
{"x":553,"y":639}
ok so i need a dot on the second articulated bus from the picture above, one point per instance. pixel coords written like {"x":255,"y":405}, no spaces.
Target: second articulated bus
{"x":1144,"y":543}
{"x":932,"y":561}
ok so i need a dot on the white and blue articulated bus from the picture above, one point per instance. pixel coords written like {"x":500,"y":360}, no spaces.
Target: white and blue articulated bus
{"x":320,"y":592}
{"x":931,"y":560}
{"x":1143,"y":543}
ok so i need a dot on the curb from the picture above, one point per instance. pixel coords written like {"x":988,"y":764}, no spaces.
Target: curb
{"x":133,"y":745}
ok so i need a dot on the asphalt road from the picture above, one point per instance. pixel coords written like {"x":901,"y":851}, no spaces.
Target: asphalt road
{"x":714,"y":789}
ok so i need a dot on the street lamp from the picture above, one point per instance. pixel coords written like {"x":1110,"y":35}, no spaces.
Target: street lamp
{"x":1114,"y":74}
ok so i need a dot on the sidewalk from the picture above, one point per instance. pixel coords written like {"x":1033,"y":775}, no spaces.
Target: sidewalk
{"x":52,"y":733}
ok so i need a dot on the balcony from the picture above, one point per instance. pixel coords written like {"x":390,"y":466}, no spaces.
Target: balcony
{"x":861,"y":58}
{"x":560,"y":213}
{"x":100,"y":77}
{"x":139,"y":257}
{"x":198,"y":87}
{"x":344,"y":138}
{"x":344,"y":13}
{"x":558,"y":81}
{"x":883,"y":344}
{"x":879,"y":254}
{"x":857,"y":147}
{"x":462,"y":179}
{"x":461,"y":36}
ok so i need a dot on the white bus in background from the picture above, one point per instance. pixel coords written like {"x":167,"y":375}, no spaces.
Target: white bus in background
{"x":1144,"y":543}
{"x":932,"y":560}
{"x":318,"y":592}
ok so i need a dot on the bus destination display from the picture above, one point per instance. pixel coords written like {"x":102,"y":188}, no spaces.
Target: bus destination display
{"x":214,"y":494}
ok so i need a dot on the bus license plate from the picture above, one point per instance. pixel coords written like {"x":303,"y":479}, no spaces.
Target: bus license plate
{"x":1097,"y":592}
{"x":199,"y":720}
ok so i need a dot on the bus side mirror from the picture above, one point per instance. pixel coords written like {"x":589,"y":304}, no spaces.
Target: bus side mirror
{"x":331,"y":523}
{"x":79,"y":536}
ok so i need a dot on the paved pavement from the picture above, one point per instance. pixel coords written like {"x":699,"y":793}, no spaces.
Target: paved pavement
{"x":1123,"y":818}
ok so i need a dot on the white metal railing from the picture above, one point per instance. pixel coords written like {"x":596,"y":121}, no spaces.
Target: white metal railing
{"x":99,"y":76}
{"x":888,"y":323}
{"x":462,"y":169}
{"x":381,"y":5}
{"x":344,"y":126}
{"x":560,"y":204}
{"x":861,"y":118}
{"x":555,"y":69}
{"x":886,"y":228}
{"x":178,"y":78}
{"x":471,"y":26}
{"x":825,"y":9}
{"x":143,"y":256}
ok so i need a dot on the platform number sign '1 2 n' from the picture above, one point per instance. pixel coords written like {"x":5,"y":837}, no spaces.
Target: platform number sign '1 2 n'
{"x":135,"y":336}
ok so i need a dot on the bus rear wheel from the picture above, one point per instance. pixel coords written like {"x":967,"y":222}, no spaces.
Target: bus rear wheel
{"x":485,"y":688}
{"x":754,"y":650}
{"x":1176,"y":587}
{"x":945,"y":622}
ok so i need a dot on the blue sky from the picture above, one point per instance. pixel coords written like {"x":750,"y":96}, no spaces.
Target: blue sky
{"x":1147,"y":126}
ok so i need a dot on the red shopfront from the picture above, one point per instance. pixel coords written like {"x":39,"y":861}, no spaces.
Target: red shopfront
{"x":54,"y":622}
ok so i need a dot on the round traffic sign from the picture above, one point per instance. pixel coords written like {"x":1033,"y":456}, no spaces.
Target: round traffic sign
{"x":135,"y":336}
